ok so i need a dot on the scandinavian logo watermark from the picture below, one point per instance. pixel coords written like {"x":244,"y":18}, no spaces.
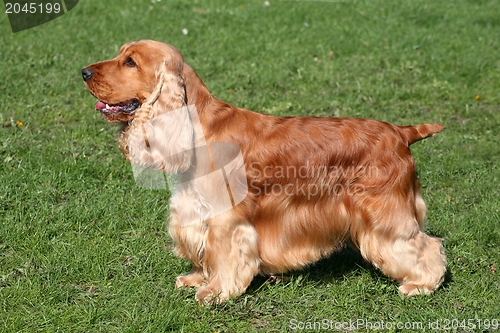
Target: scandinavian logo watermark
{"x":29,"y":14}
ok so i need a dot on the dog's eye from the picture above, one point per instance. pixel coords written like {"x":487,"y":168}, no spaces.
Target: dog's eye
{"x":130,"y":62}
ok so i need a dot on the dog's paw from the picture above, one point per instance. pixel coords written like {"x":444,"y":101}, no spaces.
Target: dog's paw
{"x":208,"y":296}
{"x":411,"y":290}
{"x":189,"y":280}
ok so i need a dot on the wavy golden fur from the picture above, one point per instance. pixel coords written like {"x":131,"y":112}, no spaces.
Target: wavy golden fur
{"x":314,"y":184}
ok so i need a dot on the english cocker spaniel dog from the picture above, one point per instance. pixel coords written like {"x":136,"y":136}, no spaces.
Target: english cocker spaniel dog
{"x":259,"y":194}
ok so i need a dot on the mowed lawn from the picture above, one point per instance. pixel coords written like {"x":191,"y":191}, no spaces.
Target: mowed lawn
{"x":83,"y":249}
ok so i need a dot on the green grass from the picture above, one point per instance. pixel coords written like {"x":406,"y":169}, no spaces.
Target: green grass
{"x":82,"y":249}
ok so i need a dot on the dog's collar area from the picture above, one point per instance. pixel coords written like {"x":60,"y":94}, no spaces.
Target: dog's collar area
{"x":126,"y":106}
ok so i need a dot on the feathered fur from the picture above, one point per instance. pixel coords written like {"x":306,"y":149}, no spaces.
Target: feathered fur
{"x":312,"y":183}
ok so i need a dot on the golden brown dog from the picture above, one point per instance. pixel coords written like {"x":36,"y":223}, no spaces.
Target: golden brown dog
{"x":310,"y":184}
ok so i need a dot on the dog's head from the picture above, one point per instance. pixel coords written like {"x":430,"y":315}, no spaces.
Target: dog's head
{"x":144,"y":72}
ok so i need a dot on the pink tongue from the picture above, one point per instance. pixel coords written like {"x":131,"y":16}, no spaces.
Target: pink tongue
{"x":100,"y":106}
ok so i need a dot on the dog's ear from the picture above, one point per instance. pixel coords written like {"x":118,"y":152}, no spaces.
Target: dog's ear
{"x":162,"y":136}
{"x":163,"y":143}
{"x":172,"y":94}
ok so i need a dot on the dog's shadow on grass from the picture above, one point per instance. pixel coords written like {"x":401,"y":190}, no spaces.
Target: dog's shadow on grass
{"x":337,"y":266}
{"x":340,"y":265}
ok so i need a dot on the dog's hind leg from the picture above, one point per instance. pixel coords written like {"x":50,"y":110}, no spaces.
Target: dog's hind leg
{"x":231,"y":258}
{"x":417,"y":263}
{"x":402,"y":251}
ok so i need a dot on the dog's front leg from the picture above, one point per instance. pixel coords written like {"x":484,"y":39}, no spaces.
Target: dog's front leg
{"x":231,"y":258}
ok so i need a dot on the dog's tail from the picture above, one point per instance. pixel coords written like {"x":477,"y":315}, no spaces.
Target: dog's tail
{"x":412,"y":134}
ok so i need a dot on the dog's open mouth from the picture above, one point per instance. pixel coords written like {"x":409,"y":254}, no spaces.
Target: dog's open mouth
{"x":128,"y":106}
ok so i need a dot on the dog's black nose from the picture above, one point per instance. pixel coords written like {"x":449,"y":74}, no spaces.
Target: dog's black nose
{"x":87,"y":74}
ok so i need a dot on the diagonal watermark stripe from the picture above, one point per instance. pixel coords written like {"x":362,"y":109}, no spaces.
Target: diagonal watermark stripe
{"x":211,"y":177}
{"x":28,"y":14}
